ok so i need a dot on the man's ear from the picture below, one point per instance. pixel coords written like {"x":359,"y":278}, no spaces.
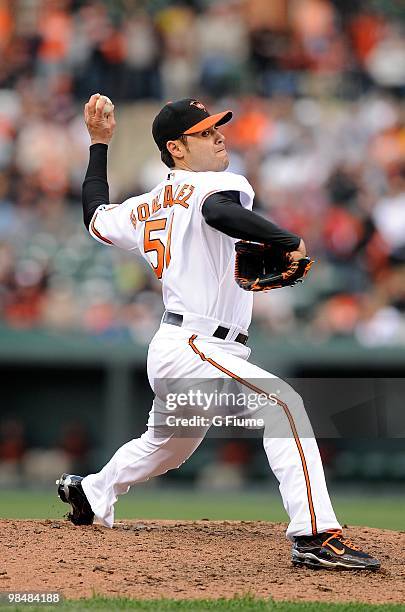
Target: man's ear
{"x":174,"y":148}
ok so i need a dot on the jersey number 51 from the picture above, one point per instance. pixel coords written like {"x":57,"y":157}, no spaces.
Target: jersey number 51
{"x":153,"y":243}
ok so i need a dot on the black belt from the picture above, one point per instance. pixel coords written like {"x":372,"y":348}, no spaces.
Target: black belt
{"x":221,"y":332}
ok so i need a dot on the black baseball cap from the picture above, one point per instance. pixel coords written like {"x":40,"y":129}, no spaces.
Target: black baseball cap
{"x":186,"y":116}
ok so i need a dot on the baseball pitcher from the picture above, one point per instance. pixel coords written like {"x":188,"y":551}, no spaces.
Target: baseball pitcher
{"x":210,"y":251}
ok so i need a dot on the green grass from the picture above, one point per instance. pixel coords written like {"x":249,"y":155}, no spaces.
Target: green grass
{"x":244,"y":604}
{"x":144,"y":503}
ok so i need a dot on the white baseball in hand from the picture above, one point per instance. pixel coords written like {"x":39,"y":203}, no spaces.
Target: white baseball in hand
{"x":108,"y":106}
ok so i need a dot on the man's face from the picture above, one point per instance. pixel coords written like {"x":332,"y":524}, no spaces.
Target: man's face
{"x":204,"y":151}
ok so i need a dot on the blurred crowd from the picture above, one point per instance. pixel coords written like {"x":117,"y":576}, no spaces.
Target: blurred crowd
{"x":317,"y":89}
{"x":25,"y":459}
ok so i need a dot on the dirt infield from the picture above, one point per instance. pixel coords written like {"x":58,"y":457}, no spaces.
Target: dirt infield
{"x":188,"y":559}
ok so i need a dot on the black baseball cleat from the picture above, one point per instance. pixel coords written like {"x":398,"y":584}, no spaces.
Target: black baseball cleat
{"x":331,"y":550}
{"x":71,"y":492}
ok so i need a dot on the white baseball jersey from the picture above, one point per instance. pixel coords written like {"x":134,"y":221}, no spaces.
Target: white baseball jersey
{"x":194,"y":261}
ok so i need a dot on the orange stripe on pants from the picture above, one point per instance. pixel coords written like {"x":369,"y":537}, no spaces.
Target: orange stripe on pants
{"x":287,"y":413}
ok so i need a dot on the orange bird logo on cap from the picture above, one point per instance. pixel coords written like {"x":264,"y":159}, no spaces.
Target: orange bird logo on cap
{"x":198,"y":105}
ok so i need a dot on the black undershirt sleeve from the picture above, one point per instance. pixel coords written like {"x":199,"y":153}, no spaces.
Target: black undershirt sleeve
{"x":224,"y":212}
{"x":95,"y":189}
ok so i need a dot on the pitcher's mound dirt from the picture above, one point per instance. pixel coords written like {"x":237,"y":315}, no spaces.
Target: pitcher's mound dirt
{"x":187,"y":560}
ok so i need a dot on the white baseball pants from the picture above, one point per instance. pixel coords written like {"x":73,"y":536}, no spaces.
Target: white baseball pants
{"x":291,"y":449}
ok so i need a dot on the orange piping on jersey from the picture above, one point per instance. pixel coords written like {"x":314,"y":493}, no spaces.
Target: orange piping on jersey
{"x":207,"y":196}
{"x":168,"y":254}
{"x":287,"y":413}
{"x":97,"y":233}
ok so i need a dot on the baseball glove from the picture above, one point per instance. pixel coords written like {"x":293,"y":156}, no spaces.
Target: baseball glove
{"x":261,"y":267}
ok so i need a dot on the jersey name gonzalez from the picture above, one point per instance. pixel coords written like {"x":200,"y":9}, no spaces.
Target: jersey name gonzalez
{"x":145,"y":210}
{"x":194,"y":262}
